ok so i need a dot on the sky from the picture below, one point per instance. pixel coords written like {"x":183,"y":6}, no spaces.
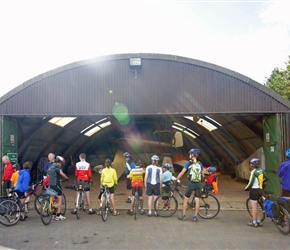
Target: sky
{"x":249,"y":37}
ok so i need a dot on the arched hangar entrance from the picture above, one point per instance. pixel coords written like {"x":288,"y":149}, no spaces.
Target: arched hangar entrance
{"x":137,"y":102}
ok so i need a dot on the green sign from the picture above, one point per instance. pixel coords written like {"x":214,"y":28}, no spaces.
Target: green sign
{"x":13,"y":157}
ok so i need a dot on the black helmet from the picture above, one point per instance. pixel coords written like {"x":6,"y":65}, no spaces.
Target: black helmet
{"x":108,"y":161}
{"x":138,"y":162}
{"x":255,"y":162}
{"x":59,"y":159}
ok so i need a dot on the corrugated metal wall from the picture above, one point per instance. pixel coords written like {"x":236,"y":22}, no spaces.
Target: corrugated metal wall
{"x":161,"y":86}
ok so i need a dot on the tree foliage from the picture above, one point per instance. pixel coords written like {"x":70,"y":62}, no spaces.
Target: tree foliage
{"x":279,"y":81}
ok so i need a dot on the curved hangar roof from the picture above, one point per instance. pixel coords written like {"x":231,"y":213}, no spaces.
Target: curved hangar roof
{"x":137,"y":102}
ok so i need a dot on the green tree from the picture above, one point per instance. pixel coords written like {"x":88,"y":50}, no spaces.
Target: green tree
{"x":279,"y":81}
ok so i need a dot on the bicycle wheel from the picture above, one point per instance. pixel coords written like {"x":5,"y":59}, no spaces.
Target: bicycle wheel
{"x":165,"y":206}
{"x":37,"y":202}
{"x":78,"y":205}
{"x":260,"y":209}
{"x":282,"y":223}
{"x":136,"y":206}
{"x":104,"y":208}
{"x":10,"y":213}
{"x":45,"y":213}
{"x":209,"y":207}
{"x":63,"y":205}
{"x":83,"y":202}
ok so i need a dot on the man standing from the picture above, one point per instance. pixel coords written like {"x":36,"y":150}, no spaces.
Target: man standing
{"x":153,"y":182}
{"x":51,"y":158}
{"x":8,"y":171}
{"x":83,"y":173}
{"x":195,"y":173}
{"x":284,"y":173}
{"x":129,"y":165}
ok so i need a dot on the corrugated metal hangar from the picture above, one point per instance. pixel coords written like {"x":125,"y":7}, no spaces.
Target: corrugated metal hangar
{"x":137,"y":103}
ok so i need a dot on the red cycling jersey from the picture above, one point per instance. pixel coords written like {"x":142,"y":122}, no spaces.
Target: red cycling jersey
{"x":83,"y":171}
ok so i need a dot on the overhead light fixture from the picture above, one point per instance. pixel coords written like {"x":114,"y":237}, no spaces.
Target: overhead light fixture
{"x":135,"y":62}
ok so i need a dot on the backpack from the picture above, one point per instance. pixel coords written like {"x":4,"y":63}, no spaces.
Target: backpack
{"x":271,"y":208}
{"x":194,"y":172}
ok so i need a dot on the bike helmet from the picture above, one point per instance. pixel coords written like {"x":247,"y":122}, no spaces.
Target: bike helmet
{"x":287,"y":152}
{"x":194,"y":151}
{"x":126,"y":155}
{"x":211,"y":169}
{"x":167,"y":165}
{"x":138,"y":162}
{"x":59,"y":159}
{"x":16,"y":165}
{"x":255,"y":162}
{"x":155,"y":158}
{"x":109,"y":161}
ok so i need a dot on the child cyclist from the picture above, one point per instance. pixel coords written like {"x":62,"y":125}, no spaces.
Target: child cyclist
{"x":167,"y":177}
{"x":210,"y":179}
{"x":137,"y":178}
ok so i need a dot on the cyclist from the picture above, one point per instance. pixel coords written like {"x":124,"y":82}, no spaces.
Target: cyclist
{"x":167,"y":177}
{"x":23,"y":182}
{"x":129,"y":165}
{"x":15,"y":175}
{"x":109,"y":178}
{"x":83,"y":173}
{"x":137,"y":176}
{"x":284,"y":173}
{"x":255,"y":186}
{"x":192,"y":186}
{"x":153,"y":182}
{"x":7,"y":173}
{"x":48,"y":164}
{"x":55,"y":171}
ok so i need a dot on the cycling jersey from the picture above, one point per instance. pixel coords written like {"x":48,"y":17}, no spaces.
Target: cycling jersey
{"x":137,"y":177}
{"x":256,"y":179}
{"x":83,"y":171}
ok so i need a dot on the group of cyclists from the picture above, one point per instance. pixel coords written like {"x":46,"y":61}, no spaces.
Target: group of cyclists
{"x":155,"y":179}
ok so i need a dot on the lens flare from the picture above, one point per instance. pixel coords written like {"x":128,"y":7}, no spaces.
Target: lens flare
{"x":121,"y":113}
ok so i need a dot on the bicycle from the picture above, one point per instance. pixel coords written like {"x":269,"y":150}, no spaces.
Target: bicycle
{"x":105,"y":203}
{"x":209,"y":205}
{"x":33,"y":190}
{"x":137,"y":201}
{"x":39,"y":198}
{"x":80,"y":200}
{"x":11,"y":210}
{"x":166,"y":205}
{"x":282,"y":220}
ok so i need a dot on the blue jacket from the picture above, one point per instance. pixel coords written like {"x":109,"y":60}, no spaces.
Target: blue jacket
{"x":284,"y":173}
{"x":23,"y":180}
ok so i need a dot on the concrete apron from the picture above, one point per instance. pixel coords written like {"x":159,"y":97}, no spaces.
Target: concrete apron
{"x":231,"y":195}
